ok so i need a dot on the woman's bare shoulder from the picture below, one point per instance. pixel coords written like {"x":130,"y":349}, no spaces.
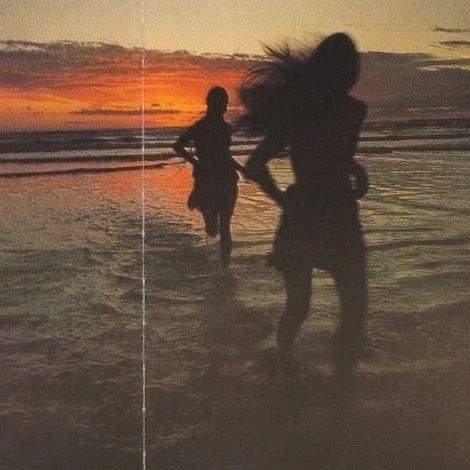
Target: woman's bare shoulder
{"x":358,"y":106}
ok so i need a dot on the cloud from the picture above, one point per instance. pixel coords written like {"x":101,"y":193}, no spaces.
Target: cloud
{"x":455,"y":44}
{"x":393,"y":84}
{"x":459,"y":62}
{"x":440,"y":29}
{"x":103,"y":81}
{"x":124,"y":112}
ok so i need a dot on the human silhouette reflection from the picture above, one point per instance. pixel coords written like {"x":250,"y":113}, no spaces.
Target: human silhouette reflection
{"x":301,"y":100}
{"x":215,"y":177}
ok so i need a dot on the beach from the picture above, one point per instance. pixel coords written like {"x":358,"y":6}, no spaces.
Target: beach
{"x":71,"y":314}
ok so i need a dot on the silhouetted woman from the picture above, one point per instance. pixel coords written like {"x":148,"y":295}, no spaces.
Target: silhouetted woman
{"x":215,"y":177}
{"x":301,"y":100}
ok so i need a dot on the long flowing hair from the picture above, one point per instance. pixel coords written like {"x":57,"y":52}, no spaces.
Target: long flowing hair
{"x":298,"y":84}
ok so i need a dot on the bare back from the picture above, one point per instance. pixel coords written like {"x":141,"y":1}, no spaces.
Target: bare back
{"x":322,"y":152}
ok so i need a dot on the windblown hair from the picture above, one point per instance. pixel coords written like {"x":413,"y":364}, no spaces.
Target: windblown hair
{"x":300,"y":84}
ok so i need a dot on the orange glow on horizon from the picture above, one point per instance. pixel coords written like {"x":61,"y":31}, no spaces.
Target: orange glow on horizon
{"x":90,"y":86}
{"x":70,"y":85}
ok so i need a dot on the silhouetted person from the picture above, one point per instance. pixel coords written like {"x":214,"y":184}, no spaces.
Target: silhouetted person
{"x":215,"y":177}
{"x":301,"y":100}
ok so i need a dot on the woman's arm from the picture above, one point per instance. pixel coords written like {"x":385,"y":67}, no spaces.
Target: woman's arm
{"x":233,"y":162}
{"x":257,"y":170}
{"x":361,"y":185}
{"x":359,"y":173}
{"x":180,"y":144}
{"x":237,"y":166}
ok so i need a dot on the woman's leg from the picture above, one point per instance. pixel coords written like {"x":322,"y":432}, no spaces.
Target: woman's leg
{"x":225,"y":238}
{"x":211,"y":221}
{"x":298,"y":283}
{"x":208,"y":207}
{"x":225,"y":219}
{"x":351,"y":284}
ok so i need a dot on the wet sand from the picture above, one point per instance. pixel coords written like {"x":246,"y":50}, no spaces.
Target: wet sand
{"x":71,"y":330}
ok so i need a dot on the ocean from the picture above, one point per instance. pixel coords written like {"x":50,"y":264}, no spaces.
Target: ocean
{"x":71,"y":312}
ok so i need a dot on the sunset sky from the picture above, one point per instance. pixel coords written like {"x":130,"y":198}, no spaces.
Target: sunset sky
{"x":77,"y":63}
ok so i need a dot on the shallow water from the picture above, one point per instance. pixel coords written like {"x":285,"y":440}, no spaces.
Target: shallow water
{"x":71,"y":328}
{"x":70,"y":337}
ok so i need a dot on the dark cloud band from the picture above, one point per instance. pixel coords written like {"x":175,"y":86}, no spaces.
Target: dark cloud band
{"x":440,"y":29}
{"x":124,"y":112}
{"x":455,"y":44}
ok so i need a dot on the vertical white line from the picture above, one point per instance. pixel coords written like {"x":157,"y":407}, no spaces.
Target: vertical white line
{"x":144,"y":319}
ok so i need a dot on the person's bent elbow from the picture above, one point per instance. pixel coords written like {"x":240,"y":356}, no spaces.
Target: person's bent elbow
{"x":254,"y":170}
{"x":177,"y":148}
{"x":361,"y":186}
